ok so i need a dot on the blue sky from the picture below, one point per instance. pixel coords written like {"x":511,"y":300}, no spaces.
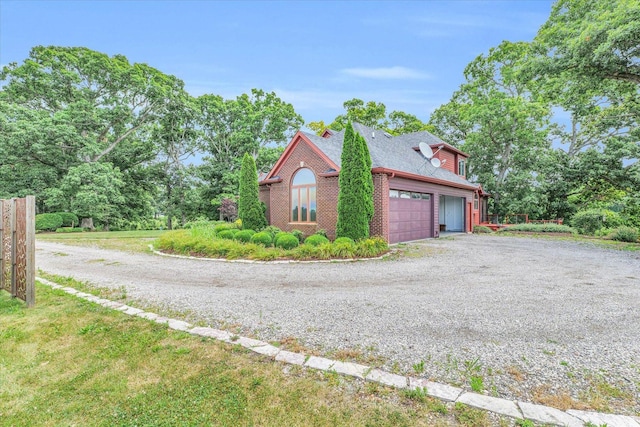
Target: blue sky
{"x":316,"y":55}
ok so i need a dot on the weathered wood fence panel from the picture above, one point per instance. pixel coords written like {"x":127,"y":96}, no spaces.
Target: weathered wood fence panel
{"x":17,"y":248}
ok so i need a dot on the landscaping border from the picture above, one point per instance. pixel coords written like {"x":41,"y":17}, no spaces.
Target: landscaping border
{"x":513,"y":409}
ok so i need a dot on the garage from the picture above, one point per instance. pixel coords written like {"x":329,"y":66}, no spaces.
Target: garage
{"x":451,"y":213}
{"x":410,"y":216}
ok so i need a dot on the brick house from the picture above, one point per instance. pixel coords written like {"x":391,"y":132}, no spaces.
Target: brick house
{"x":413,"y":199}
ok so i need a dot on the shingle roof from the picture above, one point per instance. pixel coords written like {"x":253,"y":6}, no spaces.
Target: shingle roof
{"x":390,"y":152}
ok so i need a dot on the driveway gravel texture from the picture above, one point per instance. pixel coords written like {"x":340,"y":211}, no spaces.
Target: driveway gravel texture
{"x":536,"y":319}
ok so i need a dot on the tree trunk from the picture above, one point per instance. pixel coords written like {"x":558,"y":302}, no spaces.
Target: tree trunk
{"x":87,"y":223}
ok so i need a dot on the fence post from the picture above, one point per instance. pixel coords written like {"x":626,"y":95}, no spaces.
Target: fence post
{"x":30,"y":234}
{"x":3,"y":255}
{"x":14,"y":244}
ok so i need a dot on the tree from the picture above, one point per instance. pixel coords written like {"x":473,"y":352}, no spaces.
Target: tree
{"x":259,"y":124}
{"x":372,"y":114}
{"x":65,"y":107}
{"x":495,"y":118}
{"x":250,"y":210}
{"x":355,"y":196}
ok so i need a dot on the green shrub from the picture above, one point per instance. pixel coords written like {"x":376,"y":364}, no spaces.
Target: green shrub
{"x":200,"y":223}
{"x":226,"y":234}
{"x":540,"y":228}
{"x":371,"y":247}
{"x":69,"y":219}
{"x":481,"y":229}
{"x":299,"y":235}
{"x":344,"y":240}
{"x":243,"y":235}
{"x":273,"y":230}
{"x":224,"y":227}
{"x":287,"y":241}
{"x":69,"y":230}
{"x":322,"y":232}
{"x":316,"y":239}
{"x":592,"y":220}
{"x":625,"y":234}
{"x":48,"y":222}
{"x":343,"y":247}
{"x":262,"y":238}
{"x":250,"y":209}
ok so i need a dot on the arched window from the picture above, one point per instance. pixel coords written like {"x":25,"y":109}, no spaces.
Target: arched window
{"x":303,"y":196}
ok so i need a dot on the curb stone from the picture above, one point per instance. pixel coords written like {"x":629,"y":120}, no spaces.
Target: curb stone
{"x":518,"y":410}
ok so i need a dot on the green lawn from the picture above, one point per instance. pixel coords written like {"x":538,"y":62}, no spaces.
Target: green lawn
{"x":71,"y":362}
{"x":132,"y":241}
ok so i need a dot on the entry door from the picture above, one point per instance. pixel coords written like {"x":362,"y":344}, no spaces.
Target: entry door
{"x":452,"y":213}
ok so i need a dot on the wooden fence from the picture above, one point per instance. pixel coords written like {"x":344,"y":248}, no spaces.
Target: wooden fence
{"x":17,"y":248}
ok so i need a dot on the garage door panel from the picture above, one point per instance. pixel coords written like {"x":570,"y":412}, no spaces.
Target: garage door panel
{"x":409,"y":219}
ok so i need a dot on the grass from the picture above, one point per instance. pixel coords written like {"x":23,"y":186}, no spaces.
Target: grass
{"x":129,"y":241}
{"x":603,"y":243}
{"x":71,"y":362}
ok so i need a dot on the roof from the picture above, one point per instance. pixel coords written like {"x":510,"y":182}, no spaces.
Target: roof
{"x":388,"y":153}
{"x":391,"y":152}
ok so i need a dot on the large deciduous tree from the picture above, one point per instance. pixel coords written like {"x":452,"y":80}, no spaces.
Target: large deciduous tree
{"x":259,"y":123}
{"x":355,"y":196}
{"x":250,"y":209}
{"x":495,"y":118}
{"x":66,"y":107}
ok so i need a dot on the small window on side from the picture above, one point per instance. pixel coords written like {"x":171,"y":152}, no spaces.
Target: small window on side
{"x":394,"y":194}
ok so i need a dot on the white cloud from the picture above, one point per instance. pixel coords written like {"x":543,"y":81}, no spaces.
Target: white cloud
{"x":386,"y":73}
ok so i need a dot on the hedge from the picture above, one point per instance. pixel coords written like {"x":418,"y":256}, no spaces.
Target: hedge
{"x":48,"y":222}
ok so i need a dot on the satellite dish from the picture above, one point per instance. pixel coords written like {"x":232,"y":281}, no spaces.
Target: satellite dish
{"x":435,"y":162}
{"x":426,"y":150}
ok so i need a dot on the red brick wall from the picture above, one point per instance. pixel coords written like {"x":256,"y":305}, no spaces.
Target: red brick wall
{"x":379,"y":225}
{"x":327,"y":194}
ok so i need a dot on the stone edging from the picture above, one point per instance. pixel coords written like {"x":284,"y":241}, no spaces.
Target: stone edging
{"x":513,"y":409}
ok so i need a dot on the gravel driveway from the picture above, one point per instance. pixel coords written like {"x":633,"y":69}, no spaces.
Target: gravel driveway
{"x":535,"y":318}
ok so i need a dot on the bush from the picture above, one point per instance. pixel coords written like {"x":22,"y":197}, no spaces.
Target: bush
{"x":243,"y":235}
{"x":322,"y":232}
{"x":69,"y":230}
{"x":226,"y":234}
{"x":540,"y":228}
{"x":287,"y":241}
{"x":273,"y":230}
{"x":343,"y":247}
{"x":299,"y":235}
{"x":69,"y":219}
{"x":262,"y":238}
{"x":371,"y":247}
{"x":48,"y":222}
{"x":481,"y":229}
{"x":224,"y":226}
{"x":592,"y":220}
{"x":344,"y":240}
{"x":200,"y":223}
{"x":625,"y":234}
{"x":315,"y":240}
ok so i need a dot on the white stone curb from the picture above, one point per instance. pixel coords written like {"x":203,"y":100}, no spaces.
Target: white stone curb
{"x":520,"y":410}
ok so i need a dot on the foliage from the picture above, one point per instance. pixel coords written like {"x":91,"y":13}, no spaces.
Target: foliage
{"x":69,"y":230}
{"x":321,"y":232}
{"x":481,"y":229}
{"x":258,"y":123}
{"x":228,"y":209}
{"x":226,"y":234}
{"x":249,"y":209}
{"x":371,"y":247}
{"x":273,"y":230}
{"x":591,"y":220}
{"x":540,"y":228}
{"x":355,"y":196}
{"x":497,"y":120}
{"x":625,"y":234}
{"x":287,"y":241}
{"x":264,"y":238}
{"x":244,"y":235}
{"x":343,"y":247}
{"x":299,"y":235}
{"x":217,"y":228}
{"x":69,"y":219}
{"x":48,"y":221}
{"x":315,"y":240}
{"x":344,"y":240}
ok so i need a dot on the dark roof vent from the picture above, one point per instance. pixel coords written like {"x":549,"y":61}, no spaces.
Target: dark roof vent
{"x":387,"y":134}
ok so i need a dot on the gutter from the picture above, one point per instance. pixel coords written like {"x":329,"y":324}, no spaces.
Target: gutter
{"x":416,"y":177}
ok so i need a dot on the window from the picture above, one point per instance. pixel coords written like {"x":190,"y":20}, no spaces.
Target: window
{"x":394,"y":194}
{"x":461,"y":166}
{"x":303,"y":196}
{"x":475,"y":201}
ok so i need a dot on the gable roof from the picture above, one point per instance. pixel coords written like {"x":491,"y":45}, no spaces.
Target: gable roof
{"x":388,"y":153}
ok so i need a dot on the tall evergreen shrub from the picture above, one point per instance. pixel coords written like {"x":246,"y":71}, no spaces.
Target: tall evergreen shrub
{"x":355,"y":197}
{"x":249,"y":208}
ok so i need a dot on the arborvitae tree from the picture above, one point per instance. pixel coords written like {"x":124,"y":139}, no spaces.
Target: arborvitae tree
{"x":355,"y":198}
{"x":249,"y":208}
